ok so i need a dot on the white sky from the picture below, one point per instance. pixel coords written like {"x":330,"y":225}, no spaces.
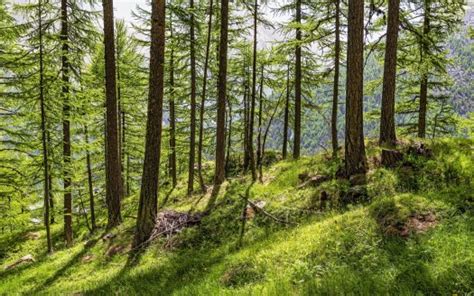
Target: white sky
{"x":123,"y":8}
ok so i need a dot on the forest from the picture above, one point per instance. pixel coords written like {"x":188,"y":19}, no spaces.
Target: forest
{"x":243,"y":147}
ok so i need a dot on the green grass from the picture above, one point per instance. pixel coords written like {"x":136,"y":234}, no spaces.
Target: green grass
{"x":341,"y":250}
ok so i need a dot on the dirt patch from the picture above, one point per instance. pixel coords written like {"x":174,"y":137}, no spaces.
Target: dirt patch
{"x":417,"y":223}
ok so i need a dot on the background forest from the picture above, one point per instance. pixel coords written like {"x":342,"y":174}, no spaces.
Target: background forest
{"x":174,"y":152}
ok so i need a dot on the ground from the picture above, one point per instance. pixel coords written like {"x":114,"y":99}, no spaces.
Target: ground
{"x":411,"y":232}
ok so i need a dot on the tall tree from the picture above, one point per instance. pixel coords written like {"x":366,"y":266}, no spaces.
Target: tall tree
{"x":148,"y":205}
{"x":221,"y":100}
{"x":387,"y":120}
{"x":203,"y":96}
{"x":335,"y":93}
{"x":192,"y":136}
{"x":254,"y":92}
{"x":66,"y":124}
{"x":297,"y":132}
{"x":112,"y":155}
{"x":424,"y":75}
{"x":355,"y":159}
{"x":43,"y":129}
{"x":172,"y":130}
{"x":287,"y":114}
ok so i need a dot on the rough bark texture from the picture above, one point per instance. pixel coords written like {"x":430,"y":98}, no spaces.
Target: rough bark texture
{"x":297,"y":135}
{"x":424,"y":76}
{"x":192,"y":136}
{"x":254,"y":91}
{"x":66,"y":125}
{"x":287,"y":115}
{"x":203,"y":97}
{"x":112,"y":162}
{"x":259,"y":137}
{"x":221,"y":101}
{"x":355,"y":159}
{"x":43,"y":131}
{"x":149,"y":190}
{"x":335,"y":93}
{"x":387,"y":119}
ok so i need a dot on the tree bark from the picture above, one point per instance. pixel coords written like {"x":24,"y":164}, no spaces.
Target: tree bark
{"x":254,"y":92}
{"x":335,"y":94}
{"x":355,"y":159}
{"x":297,"y":135}
{"x":43,"y":129}
{"x":259,"y":137}
{"x":112,"y":162}
{"x":149,"y":190}
{"x":287,"y":115}
{"x":221,"y":101}
{"x":172,"y":131}
{"x":66,"y":125}
{"x":192,"y":138}
{"x":387,"y":120}
{"x":203,"y":97}
{"x":89,"y":180}
{"x":424,"y":77}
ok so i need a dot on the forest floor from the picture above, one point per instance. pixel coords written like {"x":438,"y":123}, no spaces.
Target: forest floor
{"x":413,"y":233}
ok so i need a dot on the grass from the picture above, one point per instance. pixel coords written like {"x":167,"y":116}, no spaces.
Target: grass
{"x":341,"y":250}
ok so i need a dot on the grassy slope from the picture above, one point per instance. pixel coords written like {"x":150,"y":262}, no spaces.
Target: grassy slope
{"x":342,"y":250}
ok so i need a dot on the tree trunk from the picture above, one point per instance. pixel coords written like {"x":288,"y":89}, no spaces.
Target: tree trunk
{"x":50,"y":180}
{"x":43,"y":130}
{"x":172,"y":143}
{"x":259,"y":138}
{"x":203,"y":97}
{"x":149,"y":190}
{"x":424,"y":77}
{"x":66,"y":125}
{"x":335,"y":94}
{"x":297,"y":135}
{"x":112,"y":162}
{"x":254,"y":92}
{"x":387,"y":119}
{"x":89,"y":180}
{"x":355,"y":159}
{"x":287,"y":115}
{"x":221,"y":101}
{"x":229,"y":136}
{"x":192,"y":138}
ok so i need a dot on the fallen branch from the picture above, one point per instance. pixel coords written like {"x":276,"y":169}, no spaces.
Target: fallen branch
{"x":262,"y":211}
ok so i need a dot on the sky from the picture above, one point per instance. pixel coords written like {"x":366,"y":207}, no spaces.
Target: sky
{"x":123,"y":8}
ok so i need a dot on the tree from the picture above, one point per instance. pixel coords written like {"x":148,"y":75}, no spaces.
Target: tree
{"x":297,"y":135}
{"x":148,"y":204}
{"x":335,"y":93}
{"x":112,"y":155}
{"x":192,"y":136}
{"x":66,"y":124}
{"x":222,"y":88}
{"x":355,"y":159}
{"x":387,"y":120}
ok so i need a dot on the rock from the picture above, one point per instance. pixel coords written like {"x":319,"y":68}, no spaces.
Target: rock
{"x":108,"y":236}
{"x":87,"y":258}
{"x":391,"y":158}
{"x":358,"y":179}
{"x":303,"y":176}
{"x":25,"y":259}
{"x":420,"y":149}
{"x":250,"y":209}
{"x":32,"y":235}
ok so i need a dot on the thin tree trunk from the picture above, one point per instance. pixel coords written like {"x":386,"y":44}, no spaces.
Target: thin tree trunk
{"x":203,"y":97}
{"x":424,"y":77}
{"x":192,"y":137}
{"x":254,"y":92}
{"x":89,"y":180}
{"x":387,"y":120}
{"x":259,"y":137}
{"x":246,"y":122}
{"x":172,"y":141}
{"x":113,"y":168}
{"x":66,"y":125}
{"x":149,"y":190}
{"x":221,"y":101}
{"x":355,"y":159}
{"x":297,"y":135}
{"x":43,"y":130}
{"x":119,"y":113}
{"x":335,"y":94}
{"x":229,"y":136}
{"x":50,"y":181}
{"x":287,"y":115}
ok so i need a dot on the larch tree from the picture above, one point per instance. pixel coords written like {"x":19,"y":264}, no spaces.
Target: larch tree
{"x":112,"y":155}
{"x":148,"y":203}
{"x":192,"y":134}
{"x":297,"y":130}
{"x":355,"y":159}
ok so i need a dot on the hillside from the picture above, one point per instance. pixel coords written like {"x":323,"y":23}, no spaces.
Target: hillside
{"x":409,"y":231}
